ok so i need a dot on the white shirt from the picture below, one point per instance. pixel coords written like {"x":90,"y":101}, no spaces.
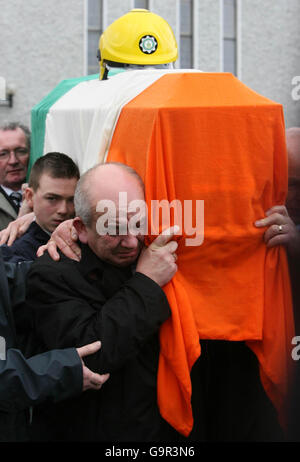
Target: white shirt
{"x":9,"y":191}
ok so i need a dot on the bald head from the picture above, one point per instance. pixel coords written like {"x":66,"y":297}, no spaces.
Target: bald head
{"x":105,"y":182}
{"x":293,"y":149}
{"x":108,"y":180}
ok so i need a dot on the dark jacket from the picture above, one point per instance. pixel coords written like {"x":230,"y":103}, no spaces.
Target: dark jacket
{"x":294,"y":409}
{"x":8,"y":210}
{"x":23,"y":383}
{"x":25,"y":248}
{"x":74,"y":303}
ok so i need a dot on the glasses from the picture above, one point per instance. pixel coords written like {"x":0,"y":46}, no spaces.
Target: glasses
{"x":18,"y":152}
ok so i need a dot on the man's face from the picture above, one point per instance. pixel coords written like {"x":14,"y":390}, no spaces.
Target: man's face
{"x":116,"y":249}
{"x":14,"y":156}
{"x":53,"y":201}
{"x":118,"y":246}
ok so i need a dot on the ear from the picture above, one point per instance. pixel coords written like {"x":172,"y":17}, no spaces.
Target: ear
{"x":29,"y":193}
{"x":81,"y":230}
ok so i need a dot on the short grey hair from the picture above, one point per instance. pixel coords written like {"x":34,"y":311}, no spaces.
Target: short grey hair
{"x":11,"y":126}
{"x":82,"y":202}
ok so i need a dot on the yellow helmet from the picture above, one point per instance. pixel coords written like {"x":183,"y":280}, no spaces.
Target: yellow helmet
{"x":138,"y":38}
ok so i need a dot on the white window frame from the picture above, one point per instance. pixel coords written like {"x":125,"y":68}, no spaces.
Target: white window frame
{"x":102,"y":26}
{"x":194,"y":23}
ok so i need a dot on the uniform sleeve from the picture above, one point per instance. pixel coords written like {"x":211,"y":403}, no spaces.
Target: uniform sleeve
{"x":62,"y":318}
{"x":54,"y":376}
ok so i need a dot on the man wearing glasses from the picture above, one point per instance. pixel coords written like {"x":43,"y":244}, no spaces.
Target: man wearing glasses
{"x":14,"y":156}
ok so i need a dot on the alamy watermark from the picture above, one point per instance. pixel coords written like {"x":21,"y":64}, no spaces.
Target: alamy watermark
{"x":296,"y":88}
{"x":2,"y":348}
{"x":296,"y":350}
{"x":136,"y":218}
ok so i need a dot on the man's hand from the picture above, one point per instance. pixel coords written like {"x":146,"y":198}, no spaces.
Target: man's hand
{"x":16,"y":229}
{"x":91,"y":380}
{"x":158,"y":260}
{"x":281,"y":229}
{"x":65,"y":238}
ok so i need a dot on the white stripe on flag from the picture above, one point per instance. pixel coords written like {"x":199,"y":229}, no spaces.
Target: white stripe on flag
{"x":82,"y":122}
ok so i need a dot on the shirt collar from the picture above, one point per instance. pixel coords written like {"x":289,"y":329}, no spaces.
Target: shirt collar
{"x":9,"y":191}
{"x":42,"y":233}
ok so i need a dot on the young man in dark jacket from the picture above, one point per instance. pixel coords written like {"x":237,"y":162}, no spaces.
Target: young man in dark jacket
{"x":50,"y":194}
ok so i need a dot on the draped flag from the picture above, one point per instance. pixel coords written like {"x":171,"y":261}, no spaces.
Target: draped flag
{"x":78,"y":117}
{"x":192,"y":137}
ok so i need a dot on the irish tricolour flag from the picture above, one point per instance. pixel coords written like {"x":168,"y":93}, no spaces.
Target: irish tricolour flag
{"x":79,"y":116}
{"x":195,"y":137}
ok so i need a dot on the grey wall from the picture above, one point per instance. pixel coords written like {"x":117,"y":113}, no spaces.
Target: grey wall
{"x":208,"y":32}
{"x":115,"y":9}
{"x":41,"y":43}
{"x":271,"y":51}
{"x":168,"y":9}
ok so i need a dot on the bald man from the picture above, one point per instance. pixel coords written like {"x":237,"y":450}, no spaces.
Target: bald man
{"x":113,"y":293}
{"x":293,"y":198}
{"x":282,"y":221}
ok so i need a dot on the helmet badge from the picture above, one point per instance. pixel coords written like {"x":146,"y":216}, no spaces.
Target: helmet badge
{"x":148,"y":44}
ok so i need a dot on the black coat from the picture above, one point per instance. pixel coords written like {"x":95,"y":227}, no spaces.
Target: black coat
{"x":74,"y":303}
{"x":25,"y":248}
{"x":23,"y":383}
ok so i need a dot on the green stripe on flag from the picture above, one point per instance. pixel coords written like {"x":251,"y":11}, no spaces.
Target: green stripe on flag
{"x":39,"y":113}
